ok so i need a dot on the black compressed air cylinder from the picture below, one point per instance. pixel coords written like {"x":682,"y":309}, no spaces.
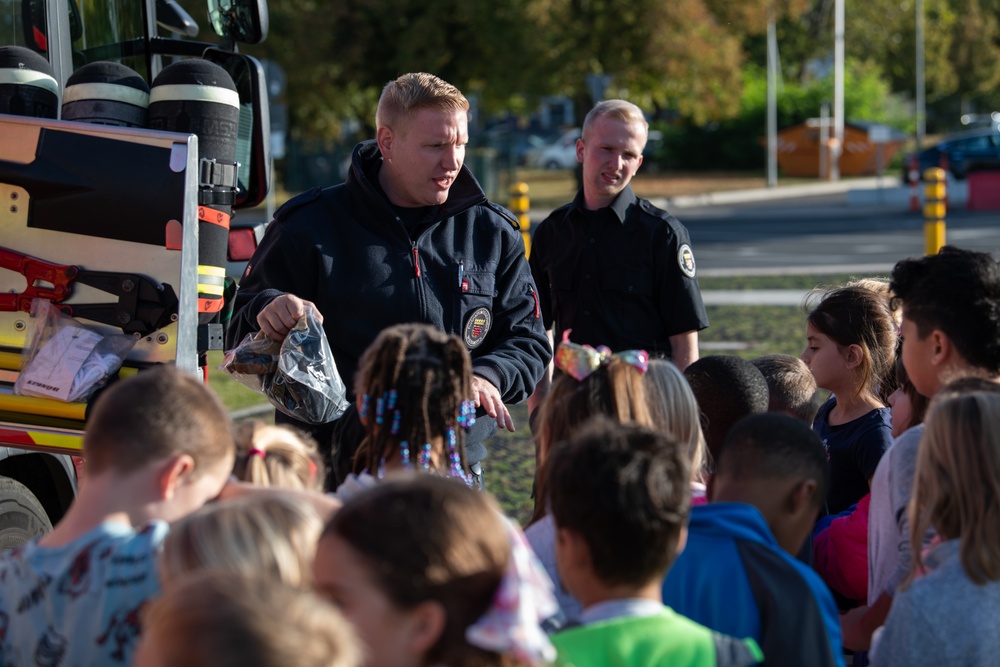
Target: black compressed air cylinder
{"x":27,"y":84}
{"x":199,"y":97}
{"x":106,"y":93}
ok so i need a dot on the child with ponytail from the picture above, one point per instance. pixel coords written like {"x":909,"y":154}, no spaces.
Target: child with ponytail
{"x":851,"y":336}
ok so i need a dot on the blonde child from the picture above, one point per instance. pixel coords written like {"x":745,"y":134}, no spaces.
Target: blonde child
{"x":675,"y":414}
{"x":277,"y":455}
{"x":271,"y":535}
{"x":224,"y":619}
{"x":946,"y":617}
{"x":851,"y":340}
{"x":588,"y":382}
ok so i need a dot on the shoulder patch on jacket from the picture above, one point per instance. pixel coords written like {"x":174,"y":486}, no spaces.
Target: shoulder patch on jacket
{"x":296,"y":203}
{"x":653,"y":210}
{"x":511,"y":218}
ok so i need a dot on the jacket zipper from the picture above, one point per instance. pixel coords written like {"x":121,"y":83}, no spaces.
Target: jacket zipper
{"x":538,"y":309}
{"x":416,"y":259}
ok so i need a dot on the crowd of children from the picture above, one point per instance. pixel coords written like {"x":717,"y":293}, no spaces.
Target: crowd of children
{"x":842,"y":508}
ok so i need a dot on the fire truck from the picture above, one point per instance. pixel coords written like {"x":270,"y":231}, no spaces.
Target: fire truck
{"x":103,"y":221}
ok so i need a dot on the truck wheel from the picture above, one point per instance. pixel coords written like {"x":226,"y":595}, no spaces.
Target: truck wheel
{"x":21,"y":515}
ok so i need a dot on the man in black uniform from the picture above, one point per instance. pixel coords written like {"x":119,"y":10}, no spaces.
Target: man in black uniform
{"x":611,"y":267}
{"x":409,"y":237}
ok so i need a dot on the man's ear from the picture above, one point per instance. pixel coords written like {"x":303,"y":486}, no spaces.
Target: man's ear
{"x":171,"y":473}
{"x":385,"y":138}
{"x":425,"y":625}
{"x":579,"y":149}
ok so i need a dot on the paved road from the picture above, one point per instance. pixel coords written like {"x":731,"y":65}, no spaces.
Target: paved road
{"x":820,"y":233}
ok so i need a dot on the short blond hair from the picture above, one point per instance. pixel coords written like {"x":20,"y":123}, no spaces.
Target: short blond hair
{"x":622,"y":110}
{"x":273,"y":535}
{"x":791,"y":386}
{"x":403,"y":96}
{"x":277,"y":455}
{"x":214,"y":619}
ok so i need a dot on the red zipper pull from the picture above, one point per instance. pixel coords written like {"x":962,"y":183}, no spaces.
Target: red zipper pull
{"x":416,"y":262}
{"x":538,"y":309}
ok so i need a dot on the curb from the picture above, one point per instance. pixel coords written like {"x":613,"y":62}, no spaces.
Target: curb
{"x":251,"y":412}
{"x":780,"y":192}
{"x":761,"y":297}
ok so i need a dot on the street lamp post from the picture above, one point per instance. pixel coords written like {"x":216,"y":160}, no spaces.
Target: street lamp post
{"x":838,"y":91}
{"x":921,"y":103}
{"x":772,"y":103}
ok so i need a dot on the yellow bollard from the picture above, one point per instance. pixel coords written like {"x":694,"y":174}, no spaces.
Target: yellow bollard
{"x":935,"y":208}
{"x":518,"y":205}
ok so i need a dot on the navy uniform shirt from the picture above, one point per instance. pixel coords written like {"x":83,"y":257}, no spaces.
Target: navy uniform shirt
{"x":622,"y":276}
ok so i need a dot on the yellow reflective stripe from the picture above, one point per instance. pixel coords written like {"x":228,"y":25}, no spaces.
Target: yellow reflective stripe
{"x":217,"y":290}
{"x":74,"y":442}
{"x":211,"y":280}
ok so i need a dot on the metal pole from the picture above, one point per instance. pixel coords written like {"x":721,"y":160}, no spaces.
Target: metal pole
{"x":772,"y":104}
{"x":838,"y":91}
{"x":921,"y":102}
{"x":824,"y":141}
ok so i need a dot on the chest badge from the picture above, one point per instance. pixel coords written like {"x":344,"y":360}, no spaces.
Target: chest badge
{"x":685,"y":260}
{"x":477,"y":325}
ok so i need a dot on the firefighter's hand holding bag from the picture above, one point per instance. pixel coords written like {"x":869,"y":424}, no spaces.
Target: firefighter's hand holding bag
{"x":298,"y":375}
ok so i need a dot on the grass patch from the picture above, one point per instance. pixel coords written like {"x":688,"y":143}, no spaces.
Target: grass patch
{"x":792,"y":282}
{"x":754,"y":330}
{"x":234,"y":395}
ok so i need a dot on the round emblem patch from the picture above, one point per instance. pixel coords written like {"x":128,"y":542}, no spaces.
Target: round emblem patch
{"x":685,"y":260}
{"x":477,"y":325}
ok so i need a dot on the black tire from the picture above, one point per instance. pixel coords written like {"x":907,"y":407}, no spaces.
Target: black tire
{"x":22,"y":517}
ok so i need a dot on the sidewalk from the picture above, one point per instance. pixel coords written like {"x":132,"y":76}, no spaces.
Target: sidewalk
{"x":761,"y":297}
{"x":859,"y":191}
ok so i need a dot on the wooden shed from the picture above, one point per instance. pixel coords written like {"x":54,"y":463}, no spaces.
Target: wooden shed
{"x":799,"y":151}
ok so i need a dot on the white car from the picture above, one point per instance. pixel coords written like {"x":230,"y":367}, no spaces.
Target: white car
{"x":561,"y":153}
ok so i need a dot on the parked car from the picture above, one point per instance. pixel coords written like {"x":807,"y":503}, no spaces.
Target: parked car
{"x":560,"y":154}
{"x":962,"y":152}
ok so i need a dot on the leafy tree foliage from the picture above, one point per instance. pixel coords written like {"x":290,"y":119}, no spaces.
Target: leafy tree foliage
{"x":685,"y":56}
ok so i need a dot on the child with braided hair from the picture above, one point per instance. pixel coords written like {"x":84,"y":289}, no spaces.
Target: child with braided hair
{"x":414,"y":389}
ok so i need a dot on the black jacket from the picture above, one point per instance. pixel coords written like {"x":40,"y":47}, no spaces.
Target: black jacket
{"x":344,"y":249}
